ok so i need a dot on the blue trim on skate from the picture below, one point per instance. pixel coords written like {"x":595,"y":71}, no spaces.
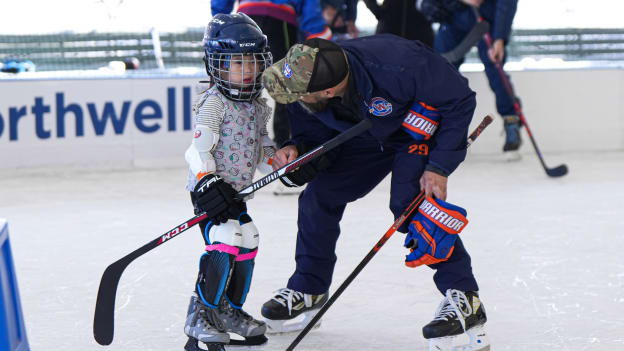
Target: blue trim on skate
{"x":206,"y":230}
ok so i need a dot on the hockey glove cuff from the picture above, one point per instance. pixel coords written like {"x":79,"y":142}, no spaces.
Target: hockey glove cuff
{"x":433,"y":231}
{"x":217,"y":198}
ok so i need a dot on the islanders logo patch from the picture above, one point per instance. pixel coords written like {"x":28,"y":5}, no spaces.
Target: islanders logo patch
{"x":379,"y":107}
{"x":287,"y":71}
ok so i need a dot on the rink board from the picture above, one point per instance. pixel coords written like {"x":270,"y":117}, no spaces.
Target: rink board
{"x":146,"y":122}
{"x":12,"y":330}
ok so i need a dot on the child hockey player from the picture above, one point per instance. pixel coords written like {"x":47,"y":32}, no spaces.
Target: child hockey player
{"x":230,"y":142}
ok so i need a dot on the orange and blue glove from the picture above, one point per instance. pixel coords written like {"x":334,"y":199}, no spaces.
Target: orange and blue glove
{"x":433,"y":231}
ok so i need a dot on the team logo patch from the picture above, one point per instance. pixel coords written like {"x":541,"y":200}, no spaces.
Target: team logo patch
{"x":197,"y":134}
{"x":380,"y":107}
{"x":287,"y":71}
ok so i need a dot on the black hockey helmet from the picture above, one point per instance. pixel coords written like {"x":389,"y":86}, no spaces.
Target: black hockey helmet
{"x":236,"y":38}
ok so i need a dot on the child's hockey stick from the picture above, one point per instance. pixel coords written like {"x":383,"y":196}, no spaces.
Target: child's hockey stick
{"x":558,"y":171}
{"x":104,"y":318}
{"x":397,"y":223}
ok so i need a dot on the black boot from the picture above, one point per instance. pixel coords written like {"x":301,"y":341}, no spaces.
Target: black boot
{"x":512,"y":133}
{"x":288,"y":304}
{"x":457,"y":313}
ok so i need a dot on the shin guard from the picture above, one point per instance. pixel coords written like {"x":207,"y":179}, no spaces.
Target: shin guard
{"x":241,"y":277}
{"x":215,"y":270}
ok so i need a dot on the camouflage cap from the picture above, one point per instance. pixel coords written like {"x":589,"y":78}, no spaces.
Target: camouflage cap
{"x":288,"y":79}
{"x":315,"y":65}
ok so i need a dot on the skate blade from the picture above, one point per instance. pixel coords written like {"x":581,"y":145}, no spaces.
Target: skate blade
{"x":193,"y":345}
{"x":287,"y":193}
{"x":512,"y":156}
{"x":441,"y":344}
{"x":249,"y":343}
{"x":477,"y":341}
{"x":280,"y":326}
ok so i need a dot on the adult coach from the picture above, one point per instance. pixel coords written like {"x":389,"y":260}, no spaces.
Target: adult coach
{"x":420,"y":108}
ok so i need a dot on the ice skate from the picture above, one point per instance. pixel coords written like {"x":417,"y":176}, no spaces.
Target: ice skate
{"x":242,"y":324}
{"x":291,"y":310}
{"x":203,"y":325}
{"x":458,"y":316}
{"x":512,"y":138}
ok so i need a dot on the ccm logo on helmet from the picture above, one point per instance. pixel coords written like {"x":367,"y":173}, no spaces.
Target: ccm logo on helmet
{"x":246,"y":44}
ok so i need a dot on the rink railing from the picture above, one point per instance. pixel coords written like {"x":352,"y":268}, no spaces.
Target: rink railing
{"x":84,"y":51}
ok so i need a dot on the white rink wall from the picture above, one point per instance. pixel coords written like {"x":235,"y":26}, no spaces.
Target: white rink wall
{"x":568,"y":110}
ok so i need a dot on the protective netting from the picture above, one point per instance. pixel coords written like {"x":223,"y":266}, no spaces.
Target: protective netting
{"x":88,"y":51}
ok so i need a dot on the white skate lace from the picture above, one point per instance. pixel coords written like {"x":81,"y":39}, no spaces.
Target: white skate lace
{"x":450,"y":307}
{"x":286,"y":296}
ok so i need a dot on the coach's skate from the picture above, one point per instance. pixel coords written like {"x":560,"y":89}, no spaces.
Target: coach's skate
{"x":512,"y":138}
{"x":457,"y":314}
{"x":241,"y":323}
{"x":291,"y":310}
{"x":203,"y":325}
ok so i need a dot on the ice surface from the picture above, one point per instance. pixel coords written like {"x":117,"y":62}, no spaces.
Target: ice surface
{"x":547,"y":254}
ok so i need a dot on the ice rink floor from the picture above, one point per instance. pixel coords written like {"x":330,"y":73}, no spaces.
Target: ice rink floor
{"x":547,"y":254}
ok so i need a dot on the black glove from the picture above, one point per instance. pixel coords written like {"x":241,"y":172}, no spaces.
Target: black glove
{"x":217,"y":198}
{"x":308,"y":171}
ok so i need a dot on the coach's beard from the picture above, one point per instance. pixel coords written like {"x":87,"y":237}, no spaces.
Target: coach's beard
{"x":315,"y":107}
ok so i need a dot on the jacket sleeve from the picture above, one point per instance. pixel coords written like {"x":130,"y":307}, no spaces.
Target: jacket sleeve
{"x":311,"y":21}
{"x":443,"y":87}
{"x":221,"y":6}
{"x":505,"y":13}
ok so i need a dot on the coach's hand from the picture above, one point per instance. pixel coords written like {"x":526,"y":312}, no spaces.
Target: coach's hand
{"x":284,"y":156}
{"x":434,"y":184}
{"x":307,"y":171}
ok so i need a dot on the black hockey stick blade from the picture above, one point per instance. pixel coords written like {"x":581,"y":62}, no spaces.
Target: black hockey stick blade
{"x":473,"y":37}
{"x":104,"y":318}
{"x":558,"y":171}
{"x":103,"y":322}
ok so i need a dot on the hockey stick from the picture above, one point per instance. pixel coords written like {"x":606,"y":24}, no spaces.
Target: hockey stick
{"x":472,"y":38}
{"x":397,"y":223}
{"x":104,"y":318}
{"x":558,"y":171}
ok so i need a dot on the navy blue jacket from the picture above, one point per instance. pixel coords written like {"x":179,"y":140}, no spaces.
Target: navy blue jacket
{"x":402,"y":72}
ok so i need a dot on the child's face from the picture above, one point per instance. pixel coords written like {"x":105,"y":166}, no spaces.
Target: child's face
{"x":243,"y":70}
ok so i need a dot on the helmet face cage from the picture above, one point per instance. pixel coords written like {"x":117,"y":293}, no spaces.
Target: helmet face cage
{"x":238,"y":75}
